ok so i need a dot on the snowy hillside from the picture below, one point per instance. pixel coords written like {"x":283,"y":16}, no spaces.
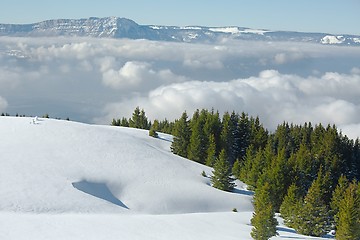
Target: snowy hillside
{"x":115,"y":27}
{"x":67,"y":180}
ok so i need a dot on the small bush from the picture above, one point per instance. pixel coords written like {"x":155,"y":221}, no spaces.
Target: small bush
{"x":153,"y":133}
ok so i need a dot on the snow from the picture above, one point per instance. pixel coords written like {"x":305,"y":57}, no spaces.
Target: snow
{"x":232,"y":30}
{"x":236,"y":30}
{"x":332,"y":39}
{"x":254,"y":31}
{"x":68,"y":180}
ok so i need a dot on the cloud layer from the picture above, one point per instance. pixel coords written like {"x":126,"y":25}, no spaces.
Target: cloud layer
{"x":95,"y":80}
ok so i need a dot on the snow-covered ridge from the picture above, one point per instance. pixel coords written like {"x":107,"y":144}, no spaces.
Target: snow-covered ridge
{"x":115,"y":27}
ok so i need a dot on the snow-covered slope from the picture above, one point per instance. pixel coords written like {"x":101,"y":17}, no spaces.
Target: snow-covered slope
{"x":115,"y":27}
{"x":45,"y":164}
{"x":67,"y":180}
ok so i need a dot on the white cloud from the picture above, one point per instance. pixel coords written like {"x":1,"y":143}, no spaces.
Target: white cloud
{"x":273,"y":96}
{"x":106,"y":78}
{"x":131,"y":74}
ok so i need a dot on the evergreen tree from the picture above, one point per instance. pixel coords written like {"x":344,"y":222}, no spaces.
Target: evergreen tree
{"x":244,"y":135}
{"x":277,"y":177}
{"x":229,"y":136}
{"x":153,"y":133}
{"x":124,"y":122}
{"x":213,"y":127}
{"x":115,"y":122}
{"x":259,"y":135}
{"x":263,"y":220}
{"x":236,"y":169}
{"x":348,"y":217}
{"x":198,"y":139}
{"x":314,"y":218}
{"x":134,"y":122}
{"x":338,"y":195}
{"x":181,"y":134}
{"x":139,"y":119}
{"x":290,"y":206}
{"x":221,"y":178}
{"x":304,"y":168}
{"x":211,"y":151}
{"x":253,"y":168}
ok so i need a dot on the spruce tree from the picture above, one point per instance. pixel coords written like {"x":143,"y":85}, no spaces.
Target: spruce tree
{"x":211,"y":151}
{"x":263,"y":220}
{"x":134,"y":122}
{"x":198,"y":140}
{"x":253,"y":167}
{"x":244,"y":134}
{"x":338,"y":195}
{"x":236,"y":169}
{"x":276,"y":175}
{"x":221,"y":178}
{"x":314,"y":218}
{"x":229,"y":136}
{"x":181,"y":134}
{"x":348,"y":217}
{"x":290,"y":206}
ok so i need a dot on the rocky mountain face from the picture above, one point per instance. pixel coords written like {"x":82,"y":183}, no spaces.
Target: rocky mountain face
{"x":114,"y":27}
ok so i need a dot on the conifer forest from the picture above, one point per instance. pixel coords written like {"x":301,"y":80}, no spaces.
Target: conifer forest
{"x":310,"y":172}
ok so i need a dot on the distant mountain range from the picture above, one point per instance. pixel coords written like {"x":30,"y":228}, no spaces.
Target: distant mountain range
{"x":115,"y":27}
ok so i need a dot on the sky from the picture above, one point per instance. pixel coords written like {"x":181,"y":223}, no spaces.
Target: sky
{"x":330,"y":16}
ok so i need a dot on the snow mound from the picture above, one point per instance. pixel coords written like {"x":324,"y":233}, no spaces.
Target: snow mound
{"x":59,"y":166}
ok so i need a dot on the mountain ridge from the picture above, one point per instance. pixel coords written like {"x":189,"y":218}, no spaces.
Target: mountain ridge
{"x":116,"y":27}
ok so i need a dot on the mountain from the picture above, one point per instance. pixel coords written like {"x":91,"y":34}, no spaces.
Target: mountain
{"x":114,"y":27}
{"x":68,"y":180}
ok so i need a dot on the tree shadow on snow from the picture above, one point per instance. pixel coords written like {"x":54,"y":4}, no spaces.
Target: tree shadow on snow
{"x":99,"y":190}
{"x":243,"y":192}
{"x":289,"y":230}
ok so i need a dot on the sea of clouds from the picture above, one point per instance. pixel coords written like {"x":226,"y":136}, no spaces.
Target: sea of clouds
{"x":94,"y":80}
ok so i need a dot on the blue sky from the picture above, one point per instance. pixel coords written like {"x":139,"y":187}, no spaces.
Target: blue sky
{"x":332,"y":16}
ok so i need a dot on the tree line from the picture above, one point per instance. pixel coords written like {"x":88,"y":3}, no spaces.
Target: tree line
{"x":309,"y":173}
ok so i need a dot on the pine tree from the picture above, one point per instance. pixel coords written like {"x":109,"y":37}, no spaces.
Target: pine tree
{"x":290,"y":206}
{"x":124,"y":122}
{"x":134,"y":122}
{"x":314,"y":218}
{"x":348,"y":217}
{"x":263,"y":220}
{"x":244,"y":135}
{"x":236,"y":169}
{"x":181,"y":134}
{"x":338,"y":195}
{"x":304,"y":168}
{"x":276,"y":175}
{"x":221,"y":178}
{"x":230,"y":136}
{"x":253,"y":167}
{"x":198,"y":139}
{"x":211,"y":151}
